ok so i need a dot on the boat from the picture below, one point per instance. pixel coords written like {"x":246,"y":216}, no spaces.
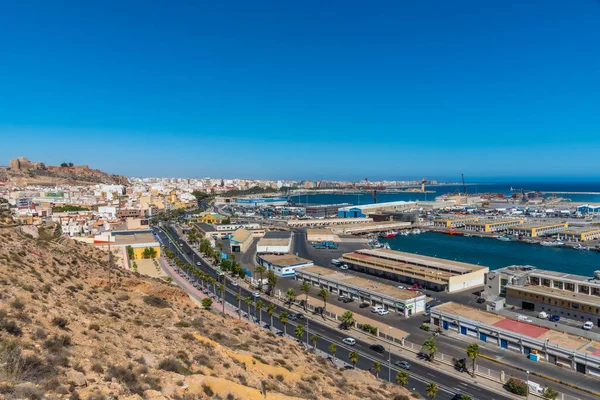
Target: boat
{"x":386,"y":246}
{"x":453,"y":232}
{"x":552,"y":243}
{"x":580,"y":247}
{"x":504,"y":238}
{"x":389,"y":235}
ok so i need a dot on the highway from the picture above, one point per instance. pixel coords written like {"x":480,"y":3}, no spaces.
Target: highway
{"x":420,"y":374}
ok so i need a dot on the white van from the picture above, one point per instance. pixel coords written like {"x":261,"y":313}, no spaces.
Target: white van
{"x":543,"y":315}
{"x":376,"y":309}
{"x":335,"y":262}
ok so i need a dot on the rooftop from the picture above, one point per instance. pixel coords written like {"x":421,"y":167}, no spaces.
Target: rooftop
{"x":566,"y":295}
{"x":339,"y":205}
{"x":273,"y":242}
{"x":135,"y":238}
{"x":363,"y":283}
{"x":323,"y":231}
{"x":241,"y":235}
{"x":380,"y":205}
{"x":533,"y":225}
{"x":206,"y":227}
{"x":495,"y":221}
{"x":582,"y":229}
{"x":284,"y":259}
{"x":277,"y":235}
{"x":562,"y":275}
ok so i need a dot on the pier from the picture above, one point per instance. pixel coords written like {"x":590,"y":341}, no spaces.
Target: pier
{"x":592,"y":193}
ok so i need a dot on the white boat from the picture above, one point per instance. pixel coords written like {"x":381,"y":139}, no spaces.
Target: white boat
{"x":552,"y":243}
{"x":580,"y":247}
{"x":386,"y":246}
{"x":504,"y":238}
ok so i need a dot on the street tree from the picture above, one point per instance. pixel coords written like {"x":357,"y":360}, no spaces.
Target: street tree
{"x":283,"y":318}
{"x":290,"y":295}
{"x":306,"y":289}
{"x":473,"y":352}
{"x":247,"y":302}
{"x":258,"y":306}
{"x":299,"y":332}
{"x":347,"y":319}
{"x":222,"y":290}
{"x":430,"y":346}
{"x":270,"y":311}
{"x":353,"y":357}
{"x":206,"y":303}
{"x":432,"y":390}
{"x":260,"y":270}
{"x":313,"y":339}
{"x":332,"y":349}
{"x":324,"y":294}
{"x":550,"y":394}
{"x":402,"y":378}
{"x":376,"y":368}
{"x":271,"y":282}
{"x":238,"y":297}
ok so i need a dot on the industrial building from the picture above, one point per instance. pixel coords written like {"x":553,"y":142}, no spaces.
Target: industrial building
{"x":559,"y":348}
{"x":260,"y":201}
{"x":323,"y":210}
{"x":370,"y":227}
{"x":221,"y":231}
{"x":589,"y":209}
{"x":363,"y":210}
{"x":582,"y":234}
{"x":537,"y":229}
{"x":139,"y":240}
{"x":305,"y":223}
{"x":402,"y":302}
{"x":275,"y":242}
{"x":492,"y":225}
{"x":457,"y":222}
{"x":283,"y":265}
{"x":321,"y":235}
{"x":433,"y":273}
{"x":241,"y":239}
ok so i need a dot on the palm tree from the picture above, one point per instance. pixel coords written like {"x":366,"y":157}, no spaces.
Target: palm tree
{"x":271,"y":311}
{"x":332,"y":349}
{"x":324,"y":294}
{"x":348,"y":319}
{"x":313,"y":339}
{"x":431,"y":346}
{"x":258,"y":306}
{"x":290,"y":295}
{"x":222,"y":290}
{"x":306,"y":288}
{"x":283,"y":317}
{"x":402,"y":378}
{"x":353,"y":357}
{"x":473,"y":353}
{"x":432,"y":390}
{"x":465,"y":397}
{"x":247,"y":302}
{"x":260,"y":270}
{"x":271,"y":281}
{"x":238,"y":297}
{"x":299,"y":331}
{"x":376,"y":368}
{"x":220,"y":246}
{"x":550,"y":394}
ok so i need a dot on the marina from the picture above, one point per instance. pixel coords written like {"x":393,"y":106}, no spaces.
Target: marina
{"x":497,"y":253}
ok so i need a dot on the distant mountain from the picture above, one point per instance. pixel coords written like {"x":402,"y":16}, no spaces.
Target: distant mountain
{"x":23,"y":172}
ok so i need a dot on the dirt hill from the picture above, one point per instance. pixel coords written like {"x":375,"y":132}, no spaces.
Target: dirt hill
{"x":23,"y":172}
{"x":72,"y":328}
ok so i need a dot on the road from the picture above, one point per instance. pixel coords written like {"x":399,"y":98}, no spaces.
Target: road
{"x":420,"y":374}
{"x":447,"y":345}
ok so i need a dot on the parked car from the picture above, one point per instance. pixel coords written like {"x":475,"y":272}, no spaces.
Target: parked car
{"x":480,"y":300}
{"x":383,"y":312}
{"x":344,"y":267}
{"x":280,"y":333}
{"x":234,"y":283}
{"x":554,"y":318}
{"x":348,"y":300}
{"x":256,"y":295}
{"x":349,"y":341}
{"x":588,"y":326}
{"x":376,"y":309}
{"x":198,"y":263}
{"x":348,"y":367}
{"x":377,"y":348}
{"x":299,"y":316}
{"x":292,"y":317}
{"x":364,"y":305}
{"x":403,"y":364}
{"x":543,"y":315}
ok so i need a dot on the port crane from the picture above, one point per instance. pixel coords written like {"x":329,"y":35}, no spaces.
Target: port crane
{"x":372,"y":190}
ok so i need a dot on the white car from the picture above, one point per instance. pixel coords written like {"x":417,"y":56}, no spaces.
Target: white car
{"x":376,"y":309}
{"x":588,"y":326}
{"x":256,"y":295}
{"x":383,"y":312}
{"x":344,"y":267}
{"x":198,"y":263}
{"x":349,"y":341}
{"x":234,"y":283}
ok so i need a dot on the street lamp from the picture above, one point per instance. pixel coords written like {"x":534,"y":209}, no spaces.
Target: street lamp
{"x":527,"y":393}
{"x":390,"y":355}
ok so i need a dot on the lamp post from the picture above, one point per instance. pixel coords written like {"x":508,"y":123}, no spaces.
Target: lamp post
{"x":527,"y":393}
{"x":390,"y":355}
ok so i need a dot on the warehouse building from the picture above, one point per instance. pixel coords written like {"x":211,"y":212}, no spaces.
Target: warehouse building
{"x":241,"y":240}
{"x":363,"y":210}
{"x":323,"y":210}
{"x":580,"y":234}
{"x":306,"y":223}
{"x":537,"y":229}
{"x":492,"y":225}
{"x":283,"y":265}
{"x":403,"y":302}
{"x":321,"y":235}
{"x":433,"y":273}
{"x":457,"y":222}
{"x":559,"y":348}
{"x":275,"y":242}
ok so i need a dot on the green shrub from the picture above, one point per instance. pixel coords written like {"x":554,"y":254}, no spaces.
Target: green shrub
{"x":517,"y":386}
{"x":156,"y":302}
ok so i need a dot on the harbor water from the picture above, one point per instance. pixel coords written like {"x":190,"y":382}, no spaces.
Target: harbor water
{"x":497,"y":254}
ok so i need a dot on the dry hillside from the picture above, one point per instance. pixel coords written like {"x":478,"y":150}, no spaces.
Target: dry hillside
{"x":70,"y":328}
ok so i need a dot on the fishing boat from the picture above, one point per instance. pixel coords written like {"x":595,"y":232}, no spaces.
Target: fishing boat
{"x":504,"y":238}
{"x":386,"y":246}
{"x":453,"y":232}
{"x":552,"y":243}
{"x":389,"y":235}
{"x":580,"y":247}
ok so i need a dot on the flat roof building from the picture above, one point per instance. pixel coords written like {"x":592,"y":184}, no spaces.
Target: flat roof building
{"x":305,"y":223}
{"x":323,"y":210}
{"x":433,"y":273}
{"x":282,"y":264}
{"x":402,"y":302}
{"x":555,"y":347}
{"x":537,"y":229}
{"x":275,"y":242}
{"x":582,"y":234}
{"x":363,"y":210}
{"x":453,"y":222}
{"x":240,"y":240}
{"x":321,"y":235}
{"x":492,"y":225}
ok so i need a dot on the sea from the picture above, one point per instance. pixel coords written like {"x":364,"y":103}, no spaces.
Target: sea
{"x":504,"y":188}
{"x":496,"y":254}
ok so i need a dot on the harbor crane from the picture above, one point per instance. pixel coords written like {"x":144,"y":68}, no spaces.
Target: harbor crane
{"x":372,"y":189}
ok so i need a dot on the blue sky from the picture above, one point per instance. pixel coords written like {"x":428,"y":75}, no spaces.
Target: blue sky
{"x":318,"y":90}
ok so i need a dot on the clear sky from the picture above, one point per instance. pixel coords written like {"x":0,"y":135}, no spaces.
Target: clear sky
{"x":304,"y":89}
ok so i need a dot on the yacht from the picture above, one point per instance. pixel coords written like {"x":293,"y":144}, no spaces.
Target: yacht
{"x":580,"y":247}
{"x":552,"y":243}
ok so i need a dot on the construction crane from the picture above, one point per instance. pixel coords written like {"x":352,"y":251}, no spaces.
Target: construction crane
{"x":372,"y":190}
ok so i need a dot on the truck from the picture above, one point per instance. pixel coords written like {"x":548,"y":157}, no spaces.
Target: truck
{"x":330,"y":245}
{"x":319,"y":245}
